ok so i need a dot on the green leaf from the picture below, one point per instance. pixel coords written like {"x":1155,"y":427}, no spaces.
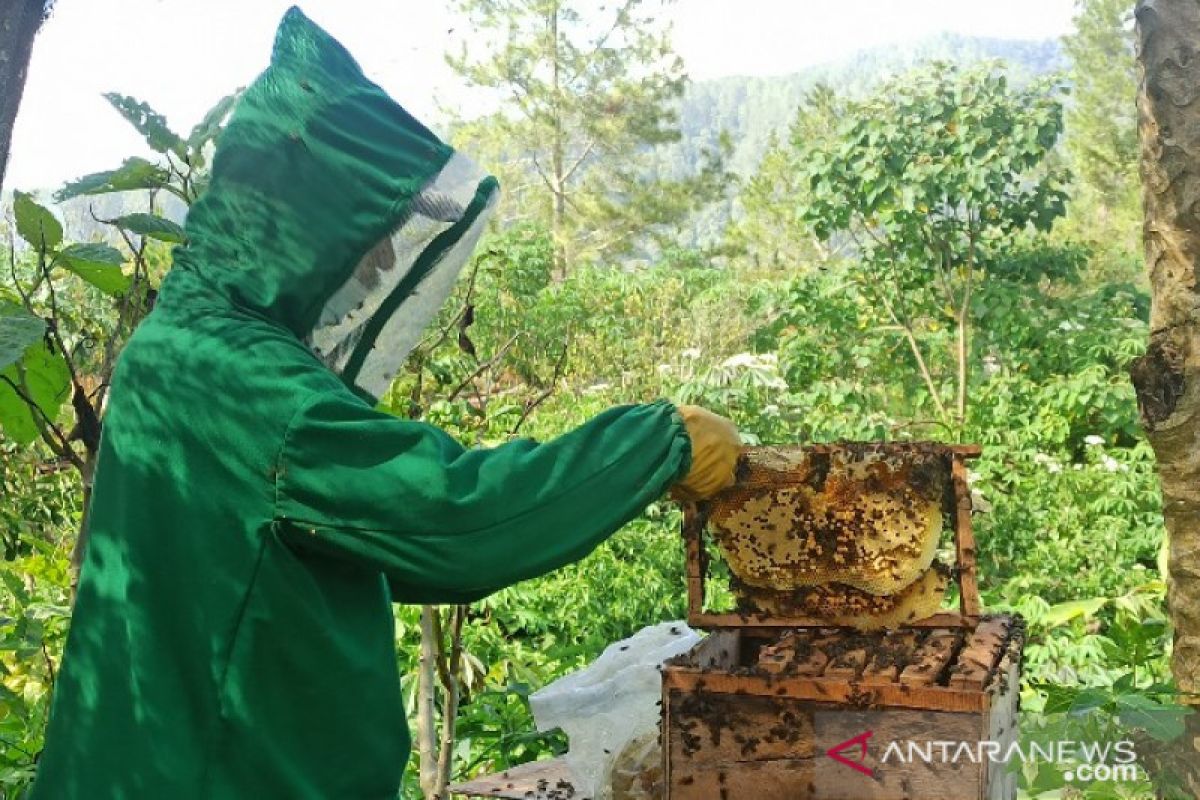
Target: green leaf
{"x":208,"y":128}
{"x":149,"y":123}
{"x":35,"y":223}
{"x":18,"y":331}
{"x":1059,"y":698}
{"x":135,"y":173}
{"x":154,"y":226}
{"x":1063,"y":613}
{"x":1047,"y":779}
{"x":44,"y":378}
{"x":98,"y":264}
{"x":1163,"y":722}
{"x":15,"y":586}
{"x":1089,"y":700}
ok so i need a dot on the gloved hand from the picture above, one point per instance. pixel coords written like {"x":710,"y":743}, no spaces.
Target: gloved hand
{"x":715,"y":450}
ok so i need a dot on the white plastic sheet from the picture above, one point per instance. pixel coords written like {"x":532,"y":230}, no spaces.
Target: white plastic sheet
{"x":610,"y":702}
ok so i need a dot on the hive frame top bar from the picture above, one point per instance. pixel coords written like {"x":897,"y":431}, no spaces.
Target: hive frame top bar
{"x":967,"y":451}
{"x":695,"y":524}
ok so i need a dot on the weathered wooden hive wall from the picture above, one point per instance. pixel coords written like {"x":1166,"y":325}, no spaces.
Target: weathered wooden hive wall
{"x":749,"y":713}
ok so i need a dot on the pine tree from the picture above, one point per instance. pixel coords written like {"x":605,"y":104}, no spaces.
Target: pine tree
{"x":769,"y":233}
{"x":587,"y":96}
{"x":1102,"y":118}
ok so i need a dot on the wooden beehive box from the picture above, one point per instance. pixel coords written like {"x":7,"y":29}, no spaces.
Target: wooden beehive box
{"x":753,"y":711}
{"x":752,"y":714}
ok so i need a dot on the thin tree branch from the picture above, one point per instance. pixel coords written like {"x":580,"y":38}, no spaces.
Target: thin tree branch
{"x":963,"y":322}
{"x":545,"y":178}
{"x":905,"y":324}
{"x":483,"y":367}
{"x":545,"y":394}
{"x":586,"y":152}
{"x":439,"y":637}
{"x":63,"y":449}
{"x":26,"y":299}
{"x":450,"y":705}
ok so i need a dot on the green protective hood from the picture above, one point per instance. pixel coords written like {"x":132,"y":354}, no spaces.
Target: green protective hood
{"x":356,"y":217}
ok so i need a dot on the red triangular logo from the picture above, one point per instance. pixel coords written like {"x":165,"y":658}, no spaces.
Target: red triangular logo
{"x":860,"y":742}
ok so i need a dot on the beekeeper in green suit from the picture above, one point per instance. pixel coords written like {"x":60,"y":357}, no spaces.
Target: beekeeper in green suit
{"x":254,"y":517}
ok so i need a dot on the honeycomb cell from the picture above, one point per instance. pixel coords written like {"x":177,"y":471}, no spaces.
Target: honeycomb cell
{"x":867,"y":516}
{"x":838,"y":604}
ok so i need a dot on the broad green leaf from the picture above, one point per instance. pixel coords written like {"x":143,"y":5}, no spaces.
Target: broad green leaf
{"x":1088,"y":700}
{"x":207,"y":129}
{"x":135,"y":173}
{"x":1059,"y":699}
{"x":15,"y":586}
{"x":149,"y":123}
{"x":1063,"y":613}
{"x":19,"y":330}
{"x":44,"y":378}
{"x":35,"y":223}
{"x":98,"y":264}
{"x":1163,"y":722}
{"x":1047,"y":779}
{"x":154,"y":226}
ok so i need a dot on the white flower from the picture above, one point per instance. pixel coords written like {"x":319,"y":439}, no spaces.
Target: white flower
{"x":691,"y":352}
{"x":1052,"y":466}
{"x":760,"y":369}
{"x":1093,"y":439}
{"x":1110,"y":464}
{"x":751,"y":361}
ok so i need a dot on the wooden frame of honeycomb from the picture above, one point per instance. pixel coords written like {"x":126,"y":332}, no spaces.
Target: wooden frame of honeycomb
{"x":889,"y":609}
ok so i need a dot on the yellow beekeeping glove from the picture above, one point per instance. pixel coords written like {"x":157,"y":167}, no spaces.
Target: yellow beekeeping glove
{"x":715,"y":450}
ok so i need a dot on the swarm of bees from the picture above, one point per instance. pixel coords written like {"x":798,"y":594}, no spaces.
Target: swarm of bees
{"x":847,"y":533}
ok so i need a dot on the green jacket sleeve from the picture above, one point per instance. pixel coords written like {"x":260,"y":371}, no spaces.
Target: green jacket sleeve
{"x":446,"y":524}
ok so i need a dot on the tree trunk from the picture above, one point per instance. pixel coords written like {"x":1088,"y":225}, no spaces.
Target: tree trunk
{"x":452,"y":696}
{"x":558,"y":157}
{"x":19,"y":22}
{"x":1167,"y":377}
{"x":427,"y":736}
{"x":964,"y":323}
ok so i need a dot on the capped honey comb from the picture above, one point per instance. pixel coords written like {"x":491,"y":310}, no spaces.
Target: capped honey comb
{"x":841,"y":605}
{"x":868,"y":516}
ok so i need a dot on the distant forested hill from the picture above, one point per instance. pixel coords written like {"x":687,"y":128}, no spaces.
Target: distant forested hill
{"x":749,"y":110}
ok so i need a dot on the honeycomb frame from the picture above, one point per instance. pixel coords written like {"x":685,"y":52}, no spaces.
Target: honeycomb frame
{"x":696,"y":531}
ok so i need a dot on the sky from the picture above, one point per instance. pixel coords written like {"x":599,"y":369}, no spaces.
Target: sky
{"x":181,"y":56}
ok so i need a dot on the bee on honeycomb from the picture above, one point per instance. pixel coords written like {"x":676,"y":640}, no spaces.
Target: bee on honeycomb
{"x":846,"y":534}
{"x":842,"y":605}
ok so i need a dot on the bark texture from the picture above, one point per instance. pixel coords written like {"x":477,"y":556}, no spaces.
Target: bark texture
{"x":19,"y":23}
{"x":1167,"y":377}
